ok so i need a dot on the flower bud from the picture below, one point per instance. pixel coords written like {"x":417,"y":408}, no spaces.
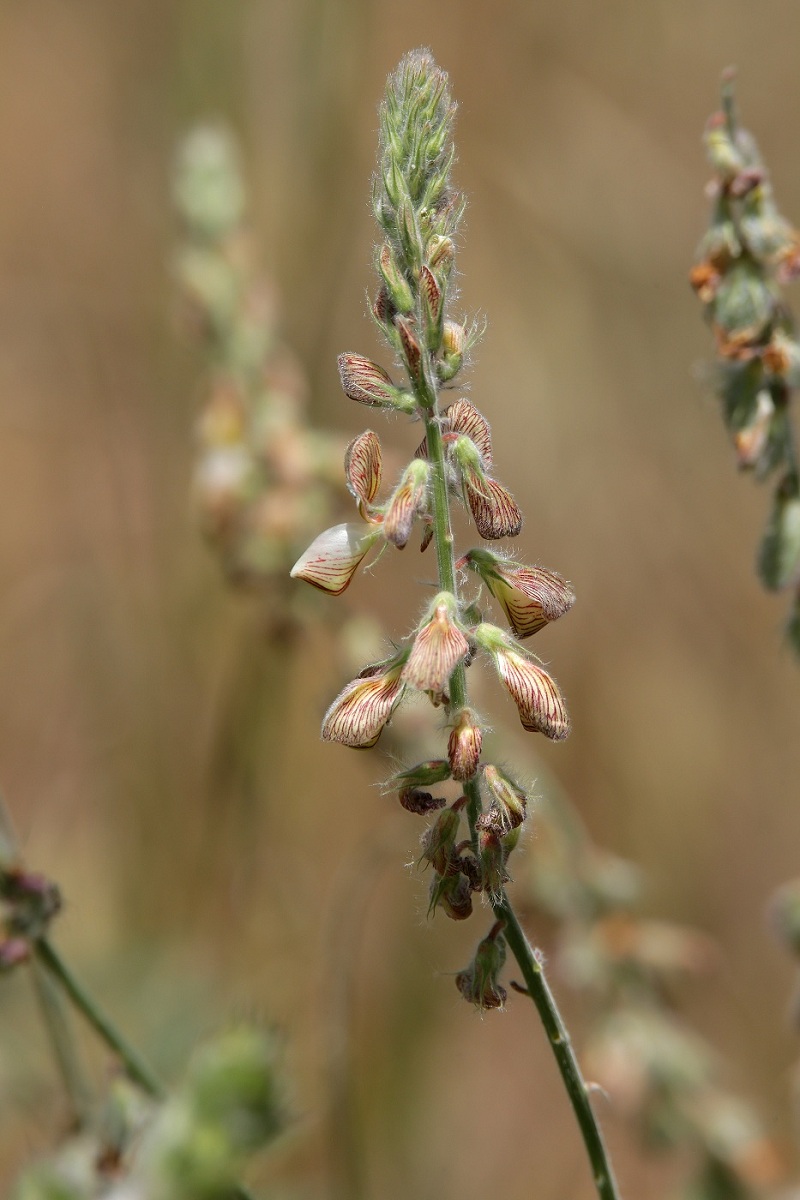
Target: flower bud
{"x":432,"y":301}
{"x":398,"y":289}
{"x":362,"y":468}
{"x":751,"y":441}
{"x":537,"y":697}
{"x":333,"y":558}
{"x":531,"y":597}
{"x":412,"y":351}
{"x":463,"y":417}
{"x":452,"y":351}
{"x":438,"y":647}
{"x":233,"y":1085}
{"x":779,"y":553}
{"x":408,"y":501}
{"x":440,"y":253}
{"x":358,"y":714}
{"x":464,"y":746}
{"x":723,"y":153}
{"x":367,"y":383}
{"x":744,"y":304}
{"x":479,"y":982}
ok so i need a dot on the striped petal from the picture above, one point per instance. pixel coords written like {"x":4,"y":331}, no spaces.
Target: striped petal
{"x":362,"y":466}
{"x":536,"y":694}
{"x":465,"y":418}
{"x":438,"y":648}
{"x":332,"y":559}
{"x":494,"y":510}
{"x":531,"y":597}
{"x":358,"y":714}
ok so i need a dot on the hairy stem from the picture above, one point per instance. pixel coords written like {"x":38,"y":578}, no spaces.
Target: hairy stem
{"x":134,"y":1064}
{"x":527,"y":961}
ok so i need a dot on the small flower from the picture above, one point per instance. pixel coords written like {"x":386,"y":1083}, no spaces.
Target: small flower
{"x":362,"y":467}
{"x":464,"y":746}
{"x":358,"y":714}
{"x":412,"y":351}
{"x":493,"y":508}
{"x":536,"y":695}
{"x":438,"y":844}
{"x":438,"y":648}
{"x":409,"y":500}
{"x":333,"y":558}
{"x":530,"y":596}
{"x":479,"y":982}
{"x":367,"y":383}
{"x":493,"y":857}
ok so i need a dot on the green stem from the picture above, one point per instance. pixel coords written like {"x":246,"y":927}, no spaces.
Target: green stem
{"x":527,"y":961}
{"x":561,"y":1045}
{"x":134,"y":1065}
{"x":62,"y":1040}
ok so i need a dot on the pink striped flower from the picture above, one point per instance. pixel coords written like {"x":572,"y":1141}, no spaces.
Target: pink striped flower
{"x":358,"y":714}
{"x":438,"y":648}
{"x":536,"y":694}
{"x":530,"y":596}
{"x":494,"y":510}
{"x":333,"y":558}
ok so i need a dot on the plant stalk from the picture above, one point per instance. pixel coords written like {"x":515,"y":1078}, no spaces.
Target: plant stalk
{"x":527,"y":961}
{"x":134,"y":1064}
{"x":62,"y":1040}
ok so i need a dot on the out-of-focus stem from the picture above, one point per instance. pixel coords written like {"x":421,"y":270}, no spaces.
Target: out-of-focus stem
{"x":62,"y":1040}
{"x":134,"y":1064}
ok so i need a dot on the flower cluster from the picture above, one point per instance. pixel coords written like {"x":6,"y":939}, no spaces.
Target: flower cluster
{"x":468,"y":845}
{"x":748,"y":254}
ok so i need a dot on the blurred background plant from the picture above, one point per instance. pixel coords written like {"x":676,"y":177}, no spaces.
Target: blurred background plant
{"x":121,"y":641}
{"x":746,"y":259}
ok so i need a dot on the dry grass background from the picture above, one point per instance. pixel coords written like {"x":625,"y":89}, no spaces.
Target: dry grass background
{"x":202,"y":866}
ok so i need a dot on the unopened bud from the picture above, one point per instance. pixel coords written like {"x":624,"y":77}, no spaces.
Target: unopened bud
{"x":493,"y":855}
{"x":412,"y":351}
{"x":779,"y":553}
{"x":744,"y":303}
{"x":464,"y":746}
{"x":398,"y":288}
{"x":479,"y":982}
{"x":440,"y":252}
{"x":432,"y":299}
{"x":452,"y":351}
{"x":367,"y":383}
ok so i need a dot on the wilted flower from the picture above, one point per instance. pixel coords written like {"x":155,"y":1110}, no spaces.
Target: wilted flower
{"x":333,"y":558}
{"x":530,"y":596}
{"x":358,"y":714}
{"x":411,"y":785}
{"x":536,"y":695}
{"x":479,"y":982}
{"x":508,"y":804}
{"x":439,"y":646}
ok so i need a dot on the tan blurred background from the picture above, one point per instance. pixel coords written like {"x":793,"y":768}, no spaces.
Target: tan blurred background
{"x":203,"y":857}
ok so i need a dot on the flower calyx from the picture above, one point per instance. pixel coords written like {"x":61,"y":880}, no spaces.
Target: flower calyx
{"x":411,"y":786}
